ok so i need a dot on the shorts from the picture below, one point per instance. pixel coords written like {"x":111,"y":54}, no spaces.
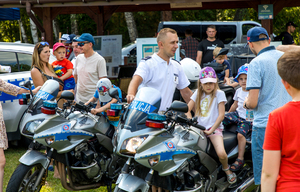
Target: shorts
{"x":243,"y":126}
{"x":69,"y":84}
{"x":258,"y":135}
{"x":218,"y":131}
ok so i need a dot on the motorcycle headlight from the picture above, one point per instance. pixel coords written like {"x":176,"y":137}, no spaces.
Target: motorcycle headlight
{"x":30,"y":126}
{"x":129,"y":146}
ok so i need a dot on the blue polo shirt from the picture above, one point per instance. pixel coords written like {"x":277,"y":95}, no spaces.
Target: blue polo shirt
{"x":263,"y":75}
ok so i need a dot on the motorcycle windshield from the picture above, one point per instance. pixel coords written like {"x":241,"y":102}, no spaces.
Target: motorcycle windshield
{"x":48,"y":91}
{"x":147,"y":100}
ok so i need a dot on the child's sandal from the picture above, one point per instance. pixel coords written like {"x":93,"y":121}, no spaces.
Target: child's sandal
{"x":238,"y":166}
{"x":230,"y":176}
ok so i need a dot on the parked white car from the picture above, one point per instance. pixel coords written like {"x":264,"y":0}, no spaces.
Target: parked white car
{"x":19,"y":57}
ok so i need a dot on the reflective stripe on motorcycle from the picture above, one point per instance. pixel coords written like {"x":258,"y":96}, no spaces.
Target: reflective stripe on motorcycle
{"x":64,"y":135}
{"x":168,"y":155}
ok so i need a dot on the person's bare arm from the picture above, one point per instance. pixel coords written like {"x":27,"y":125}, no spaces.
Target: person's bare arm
{"x":199,"y":57}
{"x":233,"y":107}
{"x":133,"y":86}
{"x":234,"y":84}
{"x":93,"y":99}
{"x":37,"y":78}
{"x":227,"y":73}
{"x":270,"y":170}
{"x":67,"y":74}
{"x":252,"y":99}
{"x":103,"y":108}
{"x":34,"y":91}
{"x":102,"y":77}
{"x":186,"y":94}
{"x":285,"y":48}
{"x":75,"y":77}
{"x":191,"y":105}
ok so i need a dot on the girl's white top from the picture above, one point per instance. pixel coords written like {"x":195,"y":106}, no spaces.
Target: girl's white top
{"x":240,"y":96}
{"x":209,"y":116}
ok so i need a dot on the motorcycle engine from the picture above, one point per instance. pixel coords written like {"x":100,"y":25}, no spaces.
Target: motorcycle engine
{"x":188,"y":175}
{"x":88,"y":163}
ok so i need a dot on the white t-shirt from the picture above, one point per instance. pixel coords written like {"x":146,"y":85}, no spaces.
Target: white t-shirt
{"x":240,"y":96}
{"x":88,"y":71}
{"x":156,"y":73}
{"x":209,"y":116}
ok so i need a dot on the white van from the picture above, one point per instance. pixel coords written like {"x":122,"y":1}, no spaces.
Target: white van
{"x":230,"y":32}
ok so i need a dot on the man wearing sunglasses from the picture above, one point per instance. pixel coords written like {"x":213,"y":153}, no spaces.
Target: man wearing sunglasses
{"x":89,"y":68}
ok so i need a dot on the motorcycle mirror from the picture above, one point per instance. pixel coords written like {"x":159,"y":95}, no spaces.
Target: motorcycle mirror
{"x":26,"y":84}
{"x":68,"y":95}
{"x":179,"y":106}
{"x":114,"y":93}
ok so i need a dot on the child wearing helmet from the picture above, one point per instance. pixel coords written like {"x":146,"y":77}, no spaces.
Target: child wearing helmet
{"x":209,"y":104}
{"x":103,"y":86}
{"x":237,"y":115}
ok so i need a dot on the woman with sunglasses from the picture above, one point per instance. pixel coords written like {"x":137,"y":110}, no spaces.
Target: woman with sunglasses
{"x":41,"y":70}
{"x":12,"y":90}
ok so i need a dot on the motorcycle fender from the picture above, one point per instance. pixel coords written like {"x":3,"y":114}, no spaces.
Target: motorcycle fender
{"x":32,"y":157}
{"x":129,"y":182}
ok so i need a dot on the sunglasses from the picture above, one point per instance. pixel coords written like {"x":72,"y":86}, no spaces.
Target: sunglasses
{"x":44,"y":43}
{"x":82,"y":44}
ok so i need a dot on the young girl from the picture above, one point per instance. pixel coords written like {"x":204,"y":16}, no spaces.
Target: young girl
{"x":209,"y":102}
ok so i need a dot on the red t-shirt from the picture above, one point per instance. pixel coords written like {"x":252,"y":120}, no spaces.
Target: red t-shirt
{"x":66,"y":64}
{"x":283,"y":133}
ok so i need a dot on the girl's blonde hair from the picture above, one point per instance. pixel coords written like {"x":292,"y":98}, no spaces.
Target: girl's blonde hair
{"x":36,"y":62}
{"x":200,"y":94}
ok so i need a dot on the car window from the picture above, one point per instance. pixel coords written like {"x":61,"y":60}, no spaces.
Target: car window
{"x":225,"y":33}
{"x":245,"y":29}
{"x":180,"y":29}
{"x":25,"y":61}
{"x":9,"y":59}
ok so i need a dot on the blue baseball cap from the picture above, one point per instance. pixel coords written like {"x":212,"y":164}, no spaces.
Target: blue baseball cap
{"x":254,"y":32}
{"x":86,"y":37}
{"x":70,"y":38}
{"x":242,"y":70}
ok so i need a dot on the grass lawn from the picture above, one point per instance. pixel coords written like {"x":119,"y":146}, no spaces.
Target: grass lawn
{"x":12,"y":156}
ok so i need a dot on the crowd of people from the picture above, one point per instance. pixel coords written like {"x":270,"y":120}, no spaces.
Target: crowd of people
{"x":269,"y":89}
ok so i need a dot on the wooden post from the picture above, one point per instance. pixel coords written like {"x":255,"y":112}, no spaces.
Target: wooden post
{"x":47,"y":24}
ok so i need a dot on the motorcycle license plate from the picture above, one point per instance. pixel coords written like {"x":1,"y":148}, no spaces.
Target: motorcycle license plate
{"x":119,"y":179}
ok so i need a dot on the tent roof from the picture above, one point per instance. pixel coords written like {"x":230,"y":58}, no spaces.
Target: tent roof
{"x":9,"y":14}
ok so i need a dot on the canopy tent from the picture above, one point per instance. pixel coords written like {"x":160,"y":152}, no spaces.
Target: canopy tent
{"x":9,"y":14}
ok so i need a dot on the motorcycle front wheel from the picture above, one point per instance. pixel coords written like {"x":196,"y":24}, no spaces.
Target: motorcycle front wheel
{"x":24,"y":178}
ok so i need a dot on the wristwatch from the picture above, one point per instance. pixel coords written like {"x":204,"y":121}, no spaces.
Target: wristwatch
{"x":245,"y":106}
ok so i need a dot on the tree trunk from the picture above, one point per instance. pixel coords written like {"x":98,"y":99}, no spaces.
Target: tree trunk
{"x":74,"y":25}
{"x":55,"y":29}
{"x":24,"y":36}
{"x":34,"y":33}
{"x":133,"y":34}
{"x":239,"y":14}
{"x":166,"y":16}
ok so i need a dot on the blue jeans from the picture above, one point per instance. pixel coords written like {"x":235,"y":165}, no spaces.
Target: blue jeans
{"x":258,"y":136}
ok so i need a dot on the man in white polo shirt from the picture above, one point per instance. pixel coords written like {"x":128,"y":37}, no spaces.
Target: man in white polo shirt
{"x":89,"y":68}
{"x":161,"y":72}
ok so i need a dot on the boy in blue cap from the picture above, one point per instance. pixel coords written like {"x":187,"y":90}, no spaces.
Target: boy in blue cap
{"x":266,"y":91}
{"x":237,"y":115}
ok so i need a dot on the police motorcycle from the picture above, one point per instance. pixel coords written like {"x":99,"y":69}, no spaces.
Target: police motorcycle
{"x":173,"y":150}
{"x":78,"y":141}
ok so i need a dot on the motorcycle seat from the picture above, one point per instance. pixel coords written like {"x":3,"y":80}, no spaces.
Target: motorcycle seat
{"x":230,"y":141}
